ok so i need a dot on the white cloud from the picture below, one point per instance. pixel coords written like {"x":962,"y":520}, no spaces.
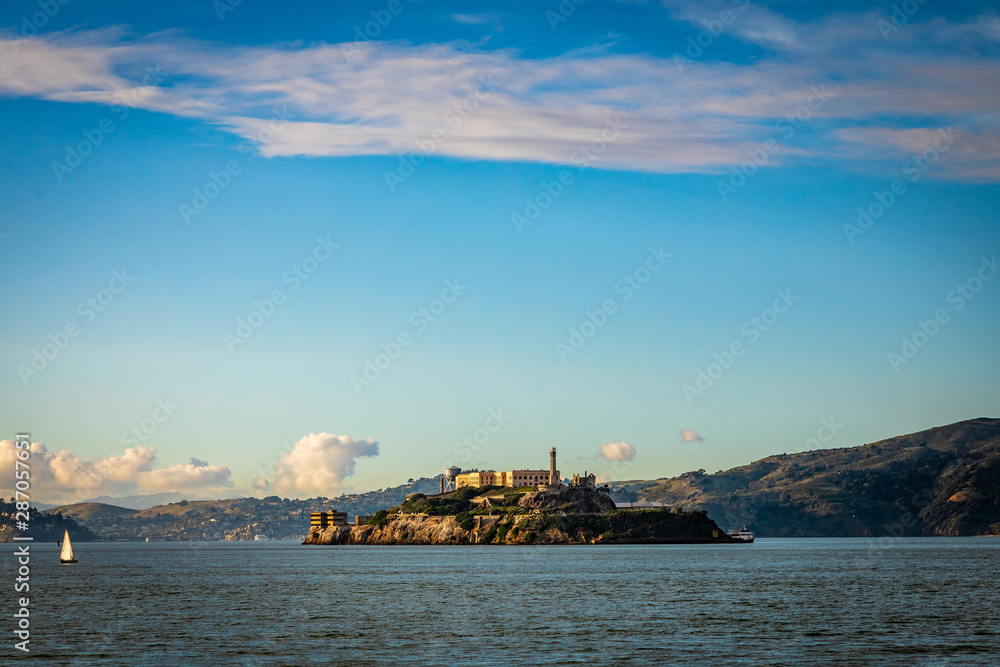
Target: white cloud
{"x":618,"y":451}
{"x":691,"y":435}
{"x":63,"y":477}
{"x":387,"y":96}
{"x":318,"y":463}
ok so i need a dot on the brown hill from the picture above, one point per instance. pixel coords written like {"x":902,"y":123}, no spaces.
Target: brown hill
{"x":943,"y":481}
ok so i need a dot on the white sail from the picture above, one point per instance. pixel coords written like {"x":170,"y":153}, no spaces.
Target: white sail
{"x":67,"y":549}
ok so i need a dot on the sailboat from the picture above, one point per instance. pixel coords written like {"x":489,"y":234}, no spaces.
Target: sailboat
{"x":66,"y":555}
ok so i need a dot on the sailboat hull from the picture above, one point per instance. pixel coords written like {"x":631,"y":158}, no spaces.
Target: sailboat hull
{"x":67,"y":562}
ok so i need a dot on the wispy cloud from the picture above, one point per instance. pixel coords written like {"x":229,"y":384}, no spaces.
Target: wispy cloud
{"x":701,"y":118}
{"x":477,"y":19}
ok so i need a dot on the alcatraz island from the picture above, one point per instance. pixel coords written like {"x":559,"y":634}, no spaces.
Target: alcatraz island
{"x":518,"y":507}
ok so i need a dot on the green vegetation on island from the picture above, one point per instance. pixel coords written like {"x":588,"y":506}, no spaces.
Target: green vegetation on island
{"x":500,"y":515}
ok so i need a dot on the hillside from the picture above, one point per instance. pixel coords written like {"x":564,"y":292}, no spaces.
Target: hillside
{"x":232,"y":519}
{"x":141,"y":502}
{"x":43,"y":527}
{"x":943,"y":481}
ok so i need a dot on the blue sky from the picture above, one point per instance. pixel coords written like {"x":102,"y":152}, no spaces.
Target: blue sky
{"x":686,"y":175}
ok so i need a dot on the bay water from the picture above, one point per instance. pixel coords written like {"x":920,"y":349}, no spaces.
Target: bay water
{"x":910,"y":601}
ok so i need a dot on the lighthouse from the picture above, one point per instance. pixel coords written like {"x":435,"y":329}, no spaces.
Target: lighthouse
{"x":553,"y":480}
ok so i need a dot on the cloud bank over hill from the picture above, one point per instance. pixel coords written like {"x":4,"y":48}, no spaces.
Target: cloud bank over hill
{"x":63,"y":477}
{"x":316,"y":466}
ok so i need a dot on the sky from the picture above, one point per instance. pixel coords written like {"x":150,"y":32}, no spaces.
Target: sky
{"x":248,"y":249}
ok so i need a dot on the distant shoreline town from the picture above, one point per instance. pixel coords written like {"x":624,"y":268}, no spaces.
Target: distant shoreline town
{"x":934,"y":482}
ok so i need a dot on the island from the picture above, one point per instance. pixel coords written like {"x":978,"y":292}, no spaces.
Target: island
{"x":519,"y":515}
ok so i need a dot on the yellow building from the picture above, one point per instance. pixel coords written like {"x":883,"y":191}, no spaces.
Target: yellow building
{"x":322,"y":520}
{"x":511,"y":478}
{"x":549,"y":479}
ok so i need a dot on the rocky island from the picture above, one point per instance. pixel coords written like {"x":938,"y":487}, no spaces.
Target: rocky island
{"x":505,"y":515}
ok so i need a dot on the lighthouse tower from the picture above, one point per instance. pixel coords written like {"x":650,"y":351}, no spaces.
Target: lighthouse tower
{"x":553,"y":481}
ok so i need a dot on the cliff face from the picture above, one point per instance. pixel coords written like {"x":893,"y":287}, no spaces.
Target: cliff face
{"x":660,"y":527}
{"x":398,"y":529}
{"x":568,"y":500}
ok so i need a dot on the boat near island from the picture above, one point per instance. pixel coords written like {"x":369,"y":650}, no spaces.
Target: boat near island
{"x":66,"y":555}
{"x":743,"y":533}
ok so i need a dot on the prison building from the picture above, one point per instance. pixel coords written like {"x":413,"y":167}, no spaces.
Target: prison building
{"x":478,"y":478}
{"x":323,"y":520}
{"x":503,"y":478}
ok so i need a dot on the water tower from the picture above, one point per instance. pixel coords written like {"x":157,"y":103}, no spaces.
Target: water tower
{"x":450,"y":474}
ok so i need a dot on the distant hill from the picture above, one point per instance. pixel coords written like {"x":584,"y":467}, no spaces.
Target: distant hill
{"x":91,"y":511}
{"x":232,"y":519}
{"x":43,"y":527}
{"x":142,"y":502}
{"x":943,"y":481}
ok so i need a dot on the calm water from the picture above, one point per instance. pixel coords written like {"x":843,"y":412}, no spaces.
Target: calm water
{"x":776,"y":602}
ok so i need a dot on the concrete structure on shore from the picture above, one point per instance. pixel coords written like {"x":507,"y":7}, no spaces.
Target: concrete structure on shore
{"x":649,"y":505}
{"x":323,"y":520}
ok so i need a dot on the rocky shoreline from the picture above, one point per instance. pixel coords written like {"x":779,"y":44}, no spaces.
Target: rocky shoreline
{"x":536,"y":518}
